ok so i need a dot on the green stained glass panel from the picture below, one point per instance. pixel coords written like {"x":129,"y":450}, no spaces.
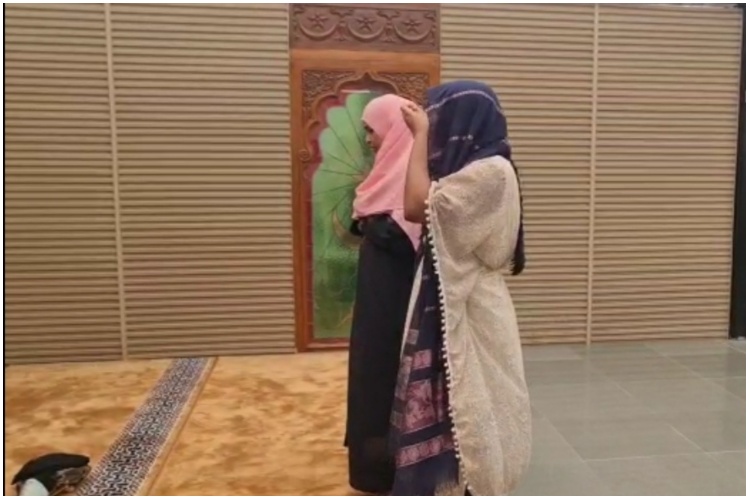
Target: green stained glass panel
{"x":345,"y":161}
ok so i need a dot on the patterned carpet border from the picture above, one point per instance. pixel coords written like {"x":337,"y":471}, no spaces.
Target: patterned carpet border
{"x":125,"y":466}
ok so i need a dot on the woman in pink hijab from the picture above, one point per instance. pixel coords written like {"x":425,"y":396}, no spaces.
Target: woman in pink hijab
{"x":384,"y":280}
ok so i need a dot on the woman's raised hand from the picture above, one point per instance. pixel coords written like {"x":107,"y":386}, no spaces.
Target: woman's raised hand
{"x":415,"y":118}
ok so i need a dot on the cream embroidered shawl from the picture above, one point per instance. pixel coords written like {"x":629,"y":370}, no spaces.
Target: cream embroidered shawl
{"x":473,"y":218}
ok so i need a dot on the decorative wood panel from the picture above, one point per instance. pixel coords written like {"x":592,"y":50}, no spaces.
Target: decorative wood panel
{"x":386,"y":27}
{"x":328,"y":96}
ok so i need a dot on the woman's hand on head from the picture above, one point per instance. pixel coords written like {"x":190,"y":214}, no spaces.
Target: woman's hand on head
{"x":415,"y":118}
{"x":417,"y":178}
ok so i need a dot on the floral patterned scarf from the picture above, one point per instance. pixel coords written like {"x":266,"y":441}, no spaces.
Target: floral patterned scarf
{"x":425,"y":453}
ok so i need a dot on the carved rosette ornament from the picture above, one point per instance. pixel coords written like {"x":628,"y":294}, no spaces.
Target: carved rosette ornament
{"x":395,"y":28}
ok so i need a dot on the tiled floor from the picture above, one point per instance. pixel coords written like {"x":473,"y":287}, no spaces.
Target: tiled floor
{"x":663,"y":418}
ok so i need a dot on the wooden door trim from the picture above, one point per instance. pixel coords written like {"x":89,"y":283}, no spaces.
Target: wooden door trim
{"x":397,"y":69}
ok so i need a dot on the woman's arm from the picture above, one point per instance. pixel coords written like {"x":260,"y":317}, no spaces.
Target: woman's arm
{"x":417,"y":178}
{"x":417,"y":181}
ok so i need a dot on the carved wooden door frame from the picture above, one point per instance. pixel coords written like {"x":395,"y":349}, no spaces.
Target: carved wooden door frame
{"x":315,"y":76}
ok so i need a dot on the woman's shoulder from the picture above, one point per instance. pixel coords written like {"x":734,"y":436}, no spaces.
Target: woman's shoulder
{"x":496,"y":162}
{"x":491,"y":171}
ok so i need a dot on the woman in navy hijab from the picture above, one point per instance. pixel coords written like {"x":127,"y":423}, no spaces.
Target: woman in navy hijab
{"x":461,"y":416}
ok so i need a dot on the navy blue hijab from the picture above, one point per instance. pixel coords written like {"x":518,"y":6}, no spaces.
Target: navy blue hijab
{"x":467,"y":124}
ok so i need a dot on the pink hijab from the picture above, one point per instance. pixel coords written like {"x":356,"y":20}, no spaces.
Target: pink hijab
{"x":382,"y":192}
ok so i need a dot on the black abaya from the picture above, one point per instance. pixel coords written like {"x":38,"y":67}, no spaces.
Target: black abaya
{"x":384,"y":281}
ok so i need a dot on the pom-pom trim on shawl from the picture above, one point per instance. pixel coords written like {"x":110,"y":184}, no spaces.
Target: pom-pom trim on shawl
{"x":444,"y":331}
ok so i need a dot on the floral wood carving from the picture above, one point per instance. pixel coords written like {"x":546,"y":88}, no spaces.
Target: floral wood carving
{"x":319,"y":85}
{"x":412,"y":86}
{"x":395,"y":28}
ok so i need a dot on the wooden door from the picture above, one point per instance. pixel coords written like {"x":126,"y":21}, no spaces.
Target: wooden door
{"x":330,"y":88}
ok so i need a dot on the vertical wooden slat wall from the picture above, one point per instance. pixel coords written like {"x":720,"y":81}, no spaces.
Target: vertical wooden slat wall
{"x":202,"y":100}
{"x":666,"y":141}
{"x":539,"y":58}
{"x":623,"y":121}
{"x":61,"y":286}
{"x":148,"y":183}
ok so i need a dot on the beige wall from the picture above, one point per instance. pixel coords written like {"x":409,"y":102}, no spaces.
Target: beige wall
{"x":148,"y":191}
{"x":148,"y":196}
{"x":623,"y":121}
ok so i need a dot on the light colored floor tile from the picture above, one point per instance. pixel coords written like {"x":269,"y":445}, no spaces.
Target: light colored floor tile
{"x":732,"y":461}
{"x":735,"y":385}
{"x":550,"y":353}
{"x":729,"y":364}
{"x":683,"y":395}
{"x":689,"y":347}
{"x":738,"y":345}
{"x":549,"y":447}
{"x":694,"y":474}
{"x":561,"y":372}
{"x":645,"y":366}
{"x":573,"y":479}
{"x":603,"y":438}
{"x":712,"y":431}
{"x":616,"y":349}
{"x":586,"y":400}
{"x":535,"y":413}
